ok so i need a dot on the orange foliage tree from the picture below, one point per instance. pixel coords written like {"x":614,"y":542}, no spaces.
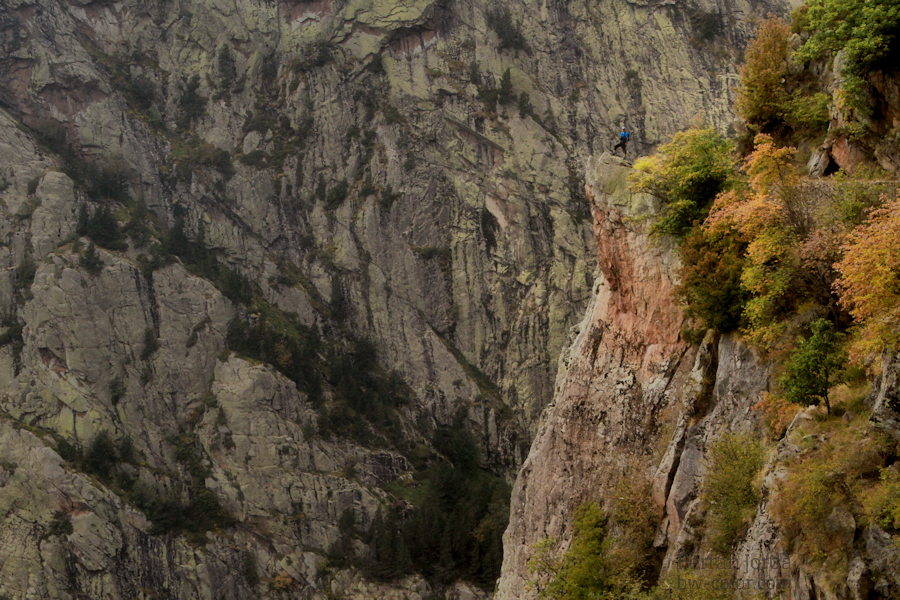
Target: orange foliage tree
{"x":869,"y":285}
{"x":758,"y":213}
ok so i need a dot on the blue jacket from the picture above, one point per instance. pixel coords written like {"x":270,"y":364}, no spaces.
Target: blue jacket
{"x":623,"y":136}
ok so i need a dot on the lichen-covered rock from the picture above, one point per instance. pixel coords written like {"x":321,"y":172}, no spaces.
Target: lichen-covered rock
{"x":356,"y":164}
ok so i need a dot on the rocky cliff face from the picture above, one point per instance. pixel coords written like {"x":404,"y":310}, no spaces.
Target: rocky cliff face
{"x":367,"y":171}
{"x":618,"y":393}
{"x":633,"y":402}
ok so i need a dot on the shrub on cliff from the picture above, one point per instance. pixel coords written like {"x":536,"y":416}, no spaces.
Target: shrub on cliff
{"x":102,"y":227}
{"x":191,"y":104}
{"x":835,"y":475}
{"x":710,"y":278}
{"x":610,"y":556}
{"x":91,"y":261}
{"x":863,"y":32}
{"x":686,"y":174}
{"x":583,"y":571}
{"x":728,"y":491}
{"x":812,"y":365}
{"x":508,"y":32}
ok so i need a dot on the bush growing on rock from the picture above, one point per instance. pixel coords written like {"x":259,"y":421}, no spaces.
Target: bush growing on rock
{"x":90,"y":261}
{"x":191,"y":104}
{"x":729,"y":492}
{"x":227,"y":71}
{"x":102,"y":227}
{"x":811,"y":367}
{"x":686,"y":174}
{"x":710,"y":278}
{"x":508,"y":33}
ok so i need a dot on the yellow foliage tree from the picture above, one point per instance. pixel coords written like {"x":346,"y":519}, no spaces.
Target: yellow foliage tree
{"x":762,"y":96}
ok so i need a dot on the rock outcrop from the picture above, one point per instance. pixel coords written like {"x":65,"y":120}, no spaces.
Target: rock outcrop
{"x":619,"y":391}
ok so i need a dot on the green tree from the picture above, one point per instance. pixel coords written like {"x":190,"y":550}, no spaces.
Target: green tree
{"x":103,"y":228}
{"x":686,"y":174}
{"x":864,"y":32}
{"x":475,"y":72}
{"x":525,"y":107}
{"x":191,"y":104}
{"x":227,"y":71}
{"x":101,"y":455}
{"x":710,"y":279}
{"x":91,"y":261}
{"x":728,"y":490}
{"x":390,"y":556}
{"x":584,"y":572}
{"x":508,"y":33}
{"x":506,"y":95}
{"x":809,"y":370}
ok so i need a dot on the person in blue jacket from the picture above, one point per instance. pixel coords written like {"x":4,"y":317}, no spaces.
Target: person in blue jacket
{"x":623,"y":142}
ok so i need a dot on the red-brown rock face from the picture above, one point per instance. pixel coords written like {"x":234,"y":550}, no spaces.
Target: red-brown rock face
{"x":614,"y":398}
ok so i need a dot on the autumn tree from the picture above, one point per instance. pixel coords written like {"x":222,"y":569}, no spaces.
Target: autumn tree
{"x":763,"y":99}
{"x":869,"y":283}
{"x":758,"y":214}
{"x":762,"y":96}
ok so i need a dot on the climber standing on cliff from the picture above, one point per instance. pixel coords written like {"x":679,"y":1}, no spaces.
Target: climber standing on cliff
{"x":623,"y":142}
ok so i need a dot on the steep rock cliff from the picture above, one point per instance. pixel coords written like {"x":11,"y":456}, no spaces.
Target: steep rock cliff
{"x":635,"y":403}
{"x":358,"y":164}
{"x":618,"y":393}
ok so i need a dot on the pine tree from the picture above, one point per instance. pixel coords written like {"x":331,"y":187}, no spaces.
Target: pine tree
{"x":506,"y":95}
{"x":91,"y":261}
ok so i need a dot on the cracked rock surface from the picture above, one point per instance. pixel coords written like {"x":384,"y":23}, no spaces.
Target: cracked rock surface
{"x":354,"y":163}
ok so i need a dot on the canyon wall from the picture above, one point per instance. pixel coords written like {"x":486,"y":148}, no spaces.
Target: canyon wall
{"x":369,"y":172}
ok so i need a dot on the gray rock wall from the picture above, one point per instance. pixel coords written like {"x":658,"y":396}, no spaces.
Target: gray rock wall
{"x":462,"y":249}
